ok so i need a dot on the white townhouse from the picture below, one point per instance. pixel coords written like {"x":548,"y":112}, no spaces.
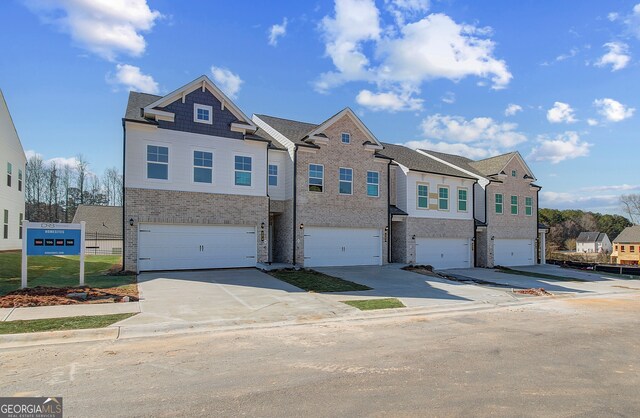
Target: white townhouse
{"x":12,"y":163}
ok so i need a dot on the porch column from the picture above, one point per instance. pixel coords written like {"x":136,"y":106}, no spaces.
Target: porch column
{"x":543,"y":247}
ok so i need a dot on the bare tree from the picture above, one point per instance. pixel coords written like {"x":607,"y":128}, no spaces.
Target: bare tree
{"x":631,"y":206}
{"x":82,"y":168}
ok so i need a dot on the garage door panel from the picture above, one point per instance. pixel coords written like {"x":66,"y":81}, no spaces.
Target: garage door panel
{"x":443,"y":253}
{"x":341,"y":246}
{"x":178,"y":247}
{"x":513,"y":252}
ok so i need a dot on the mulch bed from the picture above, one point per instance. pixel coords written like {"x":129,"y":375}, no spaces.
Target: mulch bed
{"x":48,"y":296}
{"x":533,"y":292}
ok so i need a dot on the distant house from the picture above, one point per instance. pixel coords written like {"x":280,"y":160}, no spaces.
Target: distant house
{"x":12,"y":169}
{"x":103,"y":230}
{"x":593,"y":242}
{"x":626,"y":247}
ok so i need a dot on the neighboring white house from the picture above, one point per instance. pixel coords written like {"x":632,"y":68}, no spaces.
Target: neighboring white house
{"x":12,"y":166}
{"x":103,"y":229}
{"x":593,"y":242}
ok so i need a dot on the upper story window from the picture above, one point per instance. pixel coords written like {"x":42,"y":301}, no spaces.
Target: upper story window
{"x":462,"y":200}
{"x":632,"y":249}
{"x":346,"y":138}
{"x":9,"y":173}
{"x":346,"y":181}
{"x":20,"y":219}
{"x":5,"y":232}
{"x":423,"y":196}
{"x":316,"y":178}
{"x":273,"y":175}
{"x":514,"y":173}
{"x":528,"y":206}
{"x":373,"y":184}
{"x":243,"y":171}
{"x":443,"y":198}
{"x":19,"y":180}
{"x":157,"y":162}
{"x":621,"y":247}
{"x":202,"y":167}
{"x":514,"y":205}
{"x":202,"y":113}
{"x":499,"y":203}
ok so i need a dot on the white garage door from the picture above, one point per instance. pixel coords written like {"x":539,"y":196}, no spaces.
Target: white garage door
{"x":513,"y":252}
{"x":180,"y":247}
{"x":443,"y":253}
{"x":341,"y":247}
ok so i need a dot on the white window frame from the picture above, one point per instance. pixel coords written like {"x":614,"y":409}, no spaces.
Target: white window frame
{"x":530,"y":207}
{"x":511,"y":205}
{"x":418,"y":184}
{"x":342,"y":136}
{"x":5,"y":224}
{"x":9,"y":174}
{"x":495,"y":203}
{"x":466,"y":201}
{"x":346,"y":181}
{"x":19,"y":179}
{"x":243,"y":186}
{"x":269,"y":175}
{"x":514,"y":173}
{"x":146,"y":158}
{"x":373,"y":184}
{"x":309,"y":178}
{"x":444,"y":186}
{"x":198,"y":106}
{"x":194,"y":166}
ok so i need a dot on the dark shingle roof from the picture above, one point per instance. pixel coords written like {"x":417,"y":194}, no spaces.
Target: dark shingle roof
{"x":590,"y":237}
{"x":492,"y":166}
{"x":394,"y":210}
{"x":101,"y":219}
{"x":413,"y":160}
{"x":274,"y":144}
{"x":294,"y":131}
{"x":136,"y":102}
{"x":456,"y":160}
{"x":629,"y":235}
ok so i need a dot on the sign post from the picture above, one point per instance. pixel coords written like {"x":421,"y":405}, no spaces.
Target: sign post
{"x":52,"y":239}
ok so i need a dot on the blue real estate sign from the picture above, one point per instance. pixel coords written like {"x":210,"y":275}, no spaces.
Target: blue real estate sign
{"x":48,"y":239}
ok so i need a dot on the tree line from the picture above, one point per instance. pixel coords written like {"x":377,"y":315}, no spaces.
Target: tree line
{"x":53,"y":191}
{"x":566,"y":225}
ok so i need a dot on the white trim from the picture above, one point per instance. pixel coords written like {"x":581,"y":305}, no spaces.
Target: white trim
{"x":309,"y":177}
{"x":444,"y":186}
{"x":243,"y":154}
{"x":418,"y":184}
{"x":511,"y":204}
{"x":146,"y":161}
{"x":193,"y":166}
{"x":346,"y":181}
{"x":354,"y":118}
{"x":495,"y":203}
{"x":198,"y":106}
{"x":371,"y":184}
{"x":530,"y":206}
{"x":342,"y":134}
{"x":466,"y":189}
{"x":277,"y":165}
{"x":483,"y":181}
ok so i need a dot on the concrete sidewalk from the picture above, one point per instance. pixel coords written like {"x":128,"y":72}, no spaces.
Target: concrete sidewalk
{"x":62,"y":311}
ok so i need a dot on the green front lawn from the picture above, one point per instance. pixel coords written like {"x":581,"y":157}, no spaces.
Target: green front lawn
{"x":371,"y":304}
{"x":61,"y":324}
{"x":314,"y":281}
{"x":538,"y":275}
{"x":60,"y":271}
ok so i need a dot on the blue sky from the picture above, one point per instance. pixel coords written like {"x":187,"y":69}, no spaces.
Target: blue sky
{"x":557,"y":81}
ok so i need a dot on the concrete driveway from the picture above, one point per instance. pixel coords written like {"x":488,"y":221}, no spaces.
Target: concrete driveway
{"x":225,"y":297}
{"x":413,"y":289}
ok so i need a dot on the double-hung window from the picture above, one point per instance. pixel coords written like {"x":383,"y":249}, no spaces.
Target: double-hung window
{"x":373,"y":184}
{"x":514,"y":173}
{"x":273,"y":175}
{"x":346,"y":180}
{"x":514,"y":205}
{"x":423,"y":196}
{"x":243,"y":171}
{"x":462,"y":200}
{"x":316,"y":178}
{"x":443,"y":198}
{"x":20,"y":219}
{"x":346,"y":138}
{"x":528,"y":206}
{"x":157,"y":162}
{"x":202,"y":167}
{"x":202,"y":113}
{"x":499,"y":203}
{"x":9,"y":173}
{"x":5,"y":232}
{"x":19,"y":179}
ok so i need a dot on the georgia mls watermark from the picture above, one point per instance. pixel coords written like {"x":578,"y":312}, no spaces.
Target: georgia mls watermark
{"x":31,"y":407}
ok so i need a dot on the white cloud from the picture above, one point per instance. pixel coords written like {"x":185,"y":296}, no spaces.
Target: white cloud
{"x":565,"y":200}
{"x":228,"y":82}
{"x":561,"y":112}
{"x":632,"y":21}
{"x":481,"y":131}
{"x":592,"y":122}
{"x":613,"y":110}
{"x":402,"y":57}
{"x":512,"y":109}
{"x":104,"y":27}
{"x":565,"y":146}
{"x":390,"y":101}
{"x":614,"y":187}
{"x":572,"y":53}
{"x":132,"y":78}
{"x":618,"y":56}
{"x":60,"y":162}
{"x":452,"y":148}
{"x":449,"y":97}
{"x":613,"y":16}
{"x":277,"y":31}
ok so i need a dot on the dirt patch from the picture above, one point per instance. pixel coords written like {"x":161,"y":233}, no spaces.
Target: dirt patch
{"x":533,"y":292}
{"x":426,"y":270}
{"x":48,"y":296}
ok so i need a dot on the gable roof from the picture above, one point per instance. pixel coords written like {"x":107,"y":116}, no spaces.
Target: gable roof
{"x":415,"y":161}
{"x":488,"y":167}
{"x":105,"y":220}
{"x":6,"y":119}
{"x":293,"y":130}
{"x":457,"y":160}
{"x":494,"y":165}
{"x":630,"y":235}
{"x":349,"y":113}
{"x":588,"y":237}
{"x":137,"y":102}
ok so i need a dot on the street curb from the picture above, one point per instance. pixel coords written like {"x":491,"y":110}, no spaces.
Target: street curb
{"x":58,"y":337}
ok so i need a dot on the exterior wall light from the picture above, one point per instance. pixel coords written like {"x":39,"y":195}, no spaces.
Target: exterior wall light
{"x":301,"y":226}
{"x":493,"y":237}
{"x":131,"y":222}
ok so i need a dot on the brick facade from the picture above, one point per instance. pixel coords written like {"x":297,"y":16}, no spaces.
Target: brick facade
{"x":404,"y":245}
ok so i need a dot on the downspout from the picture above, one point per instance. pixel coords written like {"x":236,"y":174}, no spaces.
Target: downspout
{"x":537,"y":223}
{"x":295,"y":188}
{"x":124,"y":168}
{"x":269,"y":238}
{"x":389,"y":223}
{"x":473,"y":215}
